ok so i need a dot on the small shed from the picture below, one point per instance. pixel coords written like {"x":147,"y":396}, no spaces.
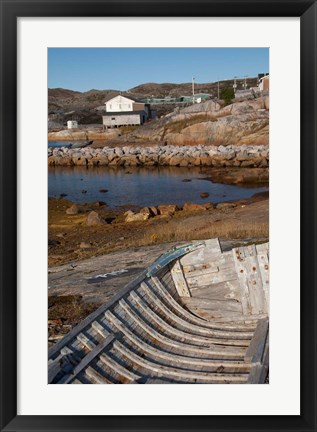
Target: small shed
{"x":72,"y":124}
{"x":117,"y":119}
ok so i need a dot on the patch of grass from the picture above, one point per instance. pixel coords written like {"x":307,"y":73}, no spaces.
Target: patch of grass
{"x":224,"y":229}
{"x":179,"y":125}
{"x":69,"y":309}
{"x":128,"y":129}
{"x":257,"y":127}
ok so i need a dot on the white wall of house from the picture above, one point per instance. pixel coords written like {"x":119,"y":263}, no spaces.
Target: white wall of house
{"x":264,"y":83}
{"x":119,"y":104}
{"x":122,"y":120}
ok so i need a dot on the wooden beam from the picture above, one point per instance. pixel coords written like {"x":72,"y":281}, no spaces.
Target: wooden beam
{"x":256,"y":348}
{"x":179,"y":279}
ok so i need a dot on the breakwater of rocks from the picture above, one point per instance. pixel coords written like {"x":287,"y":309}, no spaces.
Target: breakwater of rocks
{"x":246,"y":156}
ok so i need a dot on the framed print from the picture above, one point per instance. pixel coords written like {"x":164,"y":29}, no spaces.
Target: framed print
{"x":136,"y":169}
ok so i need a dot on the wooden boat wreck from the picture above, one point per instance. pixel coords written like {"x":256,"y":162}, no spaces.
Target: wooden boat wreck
{"x":197,"y":315}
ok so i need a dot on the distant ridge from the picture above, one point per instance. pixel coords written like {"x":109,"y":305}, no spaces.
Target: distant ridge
{"x":85,"y":106}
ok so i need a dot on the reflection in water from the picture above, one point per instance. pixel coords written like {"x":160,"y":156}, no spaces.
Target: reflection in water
{"x":141,"y":186}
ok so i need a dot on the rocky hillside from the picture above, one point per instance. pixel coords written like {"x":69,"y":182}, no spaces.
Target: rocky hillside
{"x":82,"y":105}
{"x":208,"y":123}
{"x":68,"y":100}
{"x":241,"y":123}
{"x":185,"y":89}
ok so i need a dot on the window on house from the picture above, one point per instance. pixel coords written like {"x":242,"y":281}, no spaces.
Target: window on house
{"x":110,"y":106}
{"x":113,"y":118}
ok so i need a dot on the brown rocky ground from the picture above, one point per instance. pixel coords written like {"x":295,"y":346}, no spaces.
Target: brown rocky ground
{"x":72,"y":239}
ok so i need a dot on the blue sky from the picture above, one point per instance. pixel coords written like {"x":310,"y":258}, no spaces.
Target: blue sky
{"x":84,"y":69}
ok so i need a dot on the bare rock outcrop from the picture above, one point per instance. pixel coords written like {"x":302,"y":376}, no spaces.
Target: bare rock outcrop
{"x":83,"y":134}
{"x":244,"y":122}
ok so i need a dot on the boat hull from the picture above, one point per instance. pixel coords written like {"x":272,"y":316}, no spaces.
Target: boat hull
{"x":159,"y":329}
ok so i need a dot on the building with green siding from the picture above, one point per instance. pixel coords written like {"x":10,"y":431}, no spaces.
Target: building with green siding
{"x":199,"y":97}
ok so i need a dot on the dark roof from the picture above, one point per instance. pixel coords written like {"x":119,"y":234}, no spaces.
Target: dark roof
{"x":123,"y":113}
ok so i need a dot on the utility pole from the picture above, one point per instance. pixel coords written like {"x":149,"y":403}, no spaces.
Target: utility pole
{"x":193,"y":89}
{"x":235,"y":84}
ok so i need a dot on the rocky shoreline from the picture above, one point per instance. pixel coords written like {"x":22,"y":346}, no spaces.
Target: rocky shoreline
{"x":244,"y":156}
{"x":79,"y":231}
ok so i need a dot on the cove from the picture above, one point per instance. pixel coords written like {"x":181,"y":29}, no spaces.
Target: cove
{"x":141,"y":186}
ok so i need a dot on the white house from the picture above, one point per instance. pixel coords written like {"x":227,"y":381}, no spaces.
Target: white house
{"x":264,"y":84}
{"x":124,"y":111}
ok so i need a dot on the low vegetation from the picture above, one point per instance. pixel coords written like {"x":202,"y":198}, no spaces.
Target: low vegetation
{"x":179,"y":125}
{"x":221,"y":229}
{"x":227,"y":95}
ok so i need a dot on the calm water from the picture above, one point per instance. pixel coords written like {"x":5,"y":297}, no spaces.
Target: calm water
{"x":59,"y":144}
{"x":140,"y":186}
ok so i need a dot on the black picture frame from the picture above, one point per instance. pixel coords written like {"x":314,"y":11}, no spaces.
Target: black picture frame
{"x":10,"y":11}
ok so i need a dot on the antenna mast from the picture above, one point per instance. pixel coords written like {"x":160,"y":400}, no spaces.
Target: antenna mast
{"x":193,"y":89}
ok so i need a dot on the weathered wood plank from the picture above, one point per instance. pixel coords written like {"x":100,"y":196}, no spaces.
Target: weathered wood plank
{"x":218,"y":263}
{"x":221,"y":291}
{"x":215,"y":305}
{"x":263,"y":261}
{"x":217,"y":316}
{"x":161,"y":371}
{"x":249,"y":251}
{"x":198,"y":269}
{"x":238,"y":257}
{"x":118,"y":369}
{"x":179,"y":279}
{"x":169,"y":358}
{"x":203,"y":255}
{"x":85,"y":341}
{"x":157,"y":381}
{"x":262,"y":248}
{"x":53,"y":369}
{"x":89,"y":357}
{"x":234,"y":318}
{"x":100,"y":329}
{"x":211,"y":351}
{"x":254,"y":282}
{"x":255,"y":351}
{"x":259,"y":371}
{"x":95,"y":377}
{"x":183,"y":324}
{"x":193,"y":318}
{"x":180,"y":334}
{"x":228,"y":274}
{"x":171,"y":255}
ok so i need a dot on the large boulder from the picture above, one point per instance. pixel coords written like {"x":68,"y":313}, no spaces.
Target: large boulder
{"x":93,"y":218}
{"x":190,"y":207}
{"x":136,"y":217}
{"x":167,"y":209}
{"x":73,"y":210}
{"x":150,"y":211}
